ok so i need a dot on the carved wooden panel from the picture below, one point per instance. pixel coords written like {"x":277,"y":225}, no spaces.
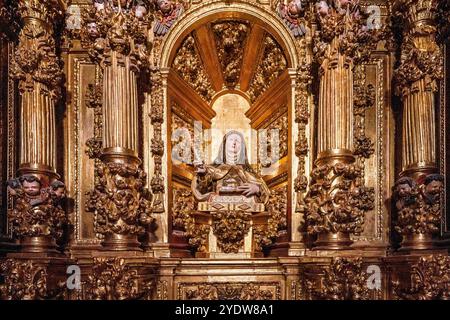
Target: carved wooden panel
{"x":378,"y":167}
{"x":81,"y":126}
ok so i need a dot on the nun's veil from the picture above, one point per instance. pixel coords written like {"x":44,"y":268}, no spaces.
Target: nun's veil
{"x":222,"y":155}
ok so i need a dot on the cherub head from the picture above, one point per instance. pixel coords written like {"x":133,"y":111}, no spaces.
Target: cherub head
{"x":31,"y":185}
{"x":433,"y":185}
{"x":58,"y":189}
{"x":404,"y":187}
{"x":295,"y":8}
{"x":166,"y":6}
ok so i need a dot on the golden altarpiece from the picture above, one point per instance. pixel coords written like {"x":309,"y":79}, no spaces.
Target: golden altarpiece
{"x":237,"y":149}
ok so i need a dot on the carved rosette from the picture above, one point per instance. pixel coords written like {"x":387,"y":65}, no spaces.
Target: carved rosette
{"x":25,"y":281}
{"x":429,"y":280}
{"x":230,"y":38}
{"x":121,"y":202}
{"x":114,"y":279}
{"x":230,"y":228}
{"x":343,"y":279}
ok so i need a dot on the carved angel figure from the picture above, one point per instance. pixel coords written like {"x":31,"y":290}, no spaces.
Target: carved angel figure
{"x":170,"y":11}
{"x":291,"y":14}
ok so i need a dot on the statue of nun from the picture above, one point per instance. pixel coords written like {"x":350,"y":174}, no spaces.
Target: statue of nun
{"x":230,"y":173}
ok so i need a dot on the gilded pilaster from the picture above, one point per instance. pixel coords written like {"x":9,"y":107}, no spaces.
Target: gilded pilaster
{"x":117,"y":34}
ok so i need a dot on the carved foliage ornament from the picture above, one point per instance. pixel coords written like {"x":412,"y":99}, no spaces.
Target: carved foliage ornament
{"x":35,"y":59}
{"x":230,"y":227}
{"x":94,"y":101}
{"x":25,"y":281}
{"x":271,"y":65}
{"x":37,"y":209}
{"x":230,"y":38}
{"x":120,"y":27}
{"x":337,"y":199}
{"x":421,"y":57}
{"x":113,"y":279}
{"x":343,"y":29}
{"x":120,"y":200}
{"x":188,"y":65}
{"x":343,"y":279}
{"x":430,"y":280}
{"x":418,"y":204}
{"x":184,"y":205}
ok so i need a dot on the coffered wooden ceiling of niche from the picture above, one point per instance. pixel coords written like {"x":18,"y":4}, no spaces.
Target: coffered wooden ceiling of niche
{"x":231,"y":54}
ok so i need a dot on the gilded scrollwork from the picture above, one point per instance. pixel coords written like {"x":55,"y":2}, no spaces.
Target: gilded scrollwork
{"x":429,"y":280}
{"x":230,"y":38}
{"x":114,"y":279}
{"x":271,"y":65}
{"x":188,"y":65}
{"x":343,"y":279}
{"x":121,"y":202}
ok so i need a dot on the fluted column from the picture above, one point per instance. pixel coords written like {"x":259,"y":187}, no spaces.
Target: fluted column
{"x":337,"y":198}
{"x":416,"y":78}
{"x":37,"y":218}
{"x":117,"y":34}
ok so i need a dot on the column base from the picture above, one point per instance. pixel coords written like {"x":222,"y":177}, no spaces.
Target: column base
{"x":333,"y":241}
{"x":120,"y":242}
{"x":40,"y":244}
{"x":417,"y":242}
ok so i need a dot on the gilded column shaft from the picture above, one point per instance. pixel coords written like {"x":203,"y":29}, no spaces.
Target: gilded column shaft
{"x":335,"y":105}
{"x":120,"y":125}
{"x":419,"y":127}
{"x":38,"y":71}
{"x":37,"y":130}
